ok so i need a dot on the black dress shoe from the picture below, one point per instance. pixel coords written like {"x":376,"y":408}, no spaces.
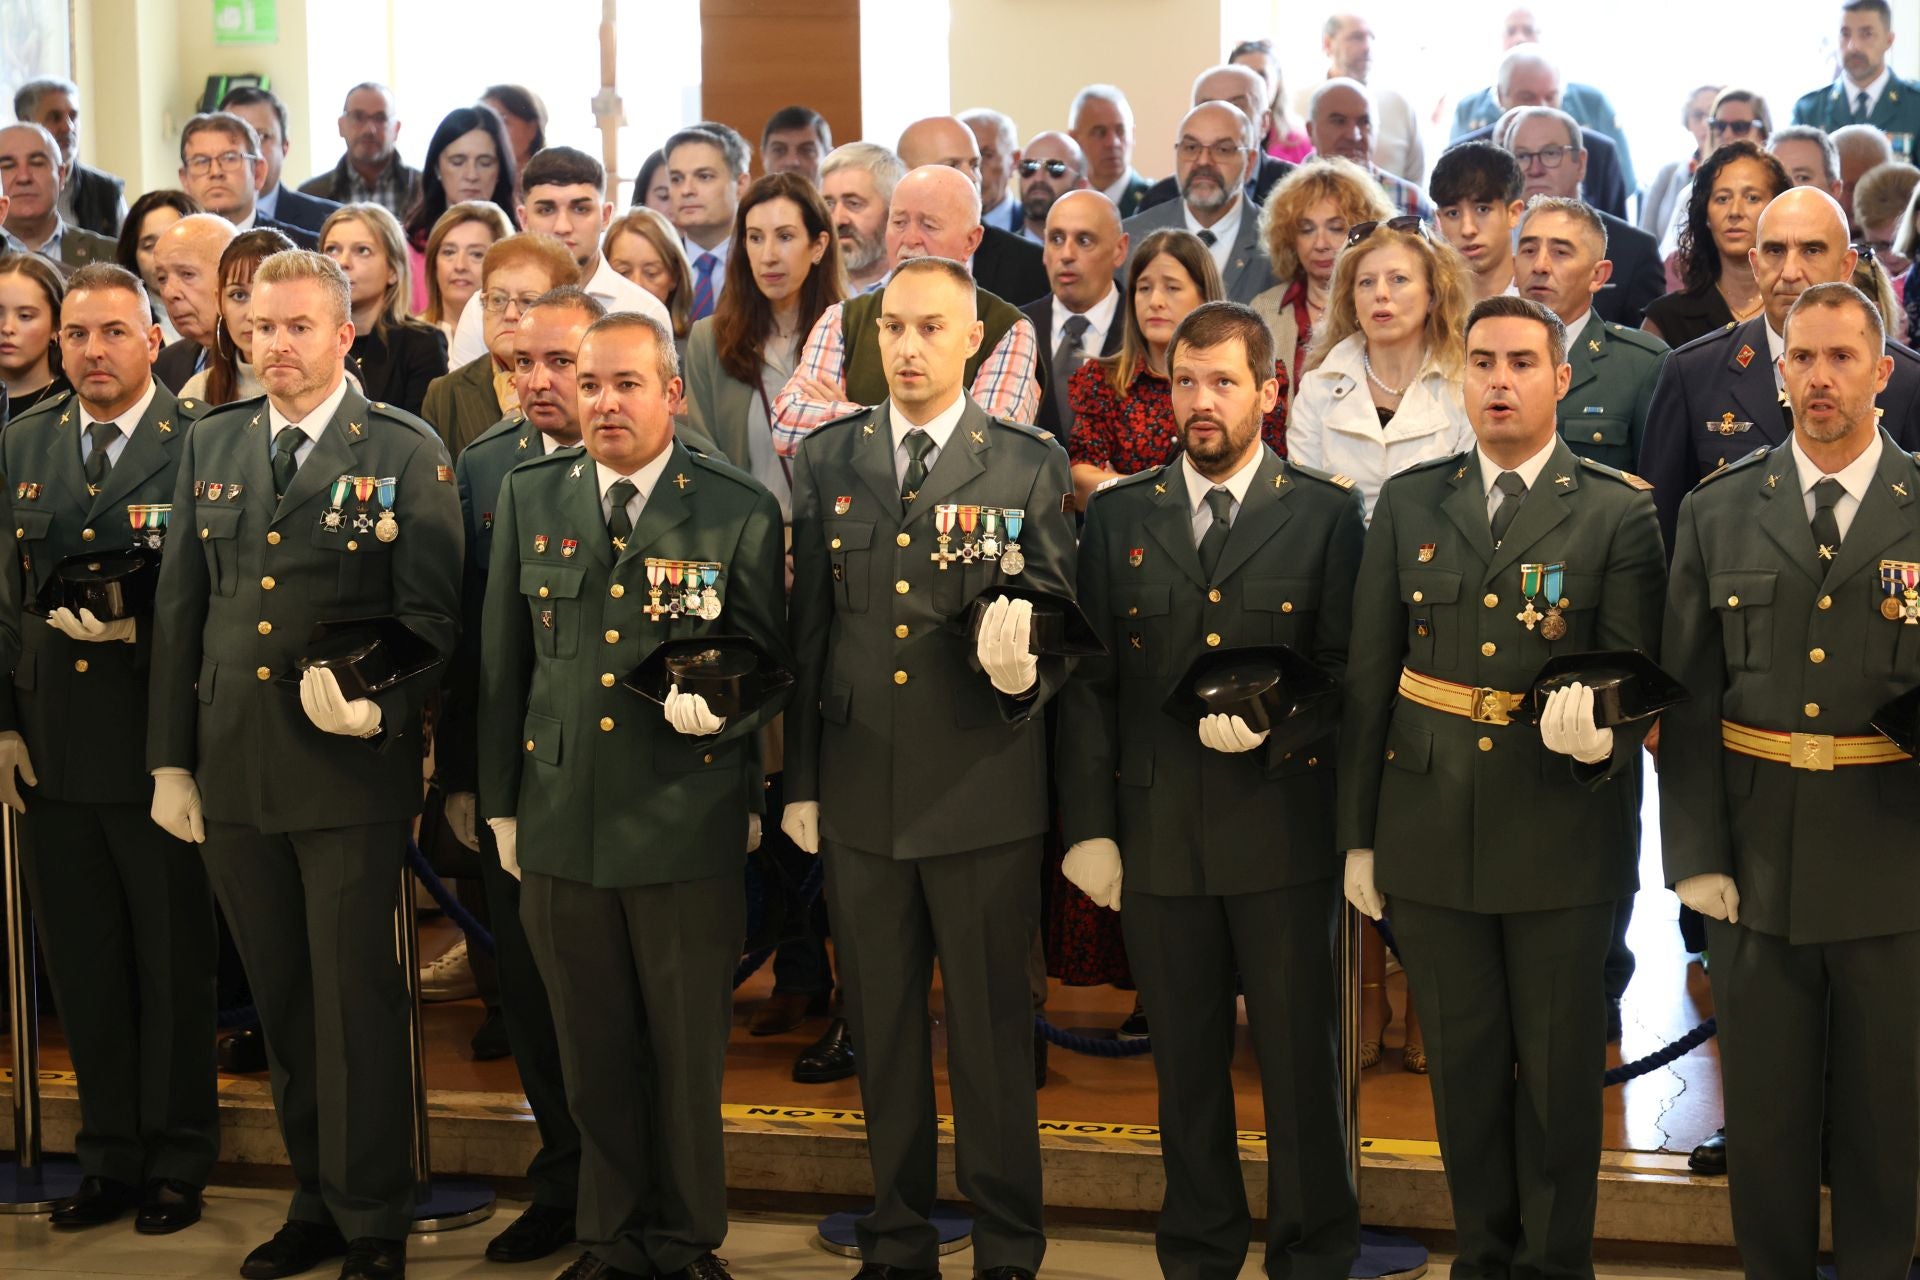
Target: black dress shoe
{"x":1039,"y":1058}
{"x":541,"y":1230}
{"x":97,"y":1202}
{"x":588,"y":1267}
{"x":881,"y":1271}
{"x":1004,"y":1273}
{"x":827,"y":1059}
{"x":704,"y":1267}
{"x":242,"y":1053}
{"x":295,"y":1247}
{"x":1709,"y":1159}
{"x":167,"y":1207}
{"x":371,"y":1258}
{"x":490,"y":1043}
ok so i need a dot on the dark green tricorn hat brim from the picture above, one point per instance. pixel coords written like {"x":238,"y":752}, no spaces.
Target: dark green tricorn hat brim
{"x":1059,"y":628}
{"x":1627,"y":686}
{"x":111,"y":584}
{"x":1265,"y":685}
{"x":735,"y":674}
{"x":367,"y":656}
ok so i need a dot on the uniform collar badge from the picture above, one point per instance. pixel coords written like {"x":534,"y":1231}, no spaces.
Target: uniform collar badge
{"x":1745,"y":356}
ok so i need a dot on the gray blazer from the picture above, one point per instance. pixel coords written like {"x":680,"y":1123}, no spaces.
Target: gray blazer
{"x":1248,"y":273}
{"x":718,"y":404}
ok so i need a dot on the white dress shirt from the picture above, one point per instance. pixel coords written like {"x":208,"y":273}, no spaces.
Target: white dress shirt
{"x":1575,"y":329}
{"x":1854,"y":478}
{"x":126,"y":422}
{"x":642,"y":481}
{"x":611,"y":289}
{"x":1852,"y":91}
{"x":1528,"y":471}
{"x":1225,"y":231}
{"x":1198,"y":487}
{"x":313,"y":424}
{"x":940,"y":428}
{"x":1099,"y":319}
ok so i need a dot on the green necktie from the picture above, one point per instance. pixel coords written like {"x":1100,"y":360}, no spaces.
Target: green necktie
{"x":1214,"y":540}
{"x":98,"y":464}
{"x":285,"y":465}
{"x":919,"y":445}
{"x":1514,"y":488}
{"x":619,"y":523}
{"x":1826,"y":527}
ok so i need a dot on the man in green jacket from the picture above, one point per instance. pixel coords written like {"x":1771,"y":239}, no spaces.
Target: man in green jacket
{"x":1498,"y":857}
{"x":917,"y":759}
{"x":310,"y":506}
{"x":1224,"y":839}
{"x":630,"y":826}
{"x":1787,"y":820}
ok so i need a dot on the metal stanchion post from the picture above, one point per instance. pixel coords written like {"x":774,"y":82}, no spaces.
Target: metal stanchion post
{"x":29,"y":1183}
{"x":1383,"y":1255}
{"x":439,"y":1204}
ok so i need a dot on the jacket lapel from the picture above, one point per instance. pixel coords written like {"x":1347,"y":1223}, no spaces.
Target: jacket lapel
{"x":331,"y":458}
{"x":581,"y":505}
{"x":1883,"y":517}
{"x":665,"y":507}
{"x":1753,"y":389}
{"x":1171,"y":521}
{"x":150,"y":448}
{"x":1784,"y":513}
{"x":64,"y":456}
{"x":1589,"y":349}
{"x":1262,"y":513}
{"x":873,"y":459}
{"x":1244,"y":257}
{"x":963,"y":458}
{"x":1544,"y":507}
{"x":1466,"y":505}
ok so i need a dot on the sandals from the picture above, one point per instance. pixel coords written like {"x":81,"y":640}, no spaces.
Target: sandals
{"x":1370,"y":1044}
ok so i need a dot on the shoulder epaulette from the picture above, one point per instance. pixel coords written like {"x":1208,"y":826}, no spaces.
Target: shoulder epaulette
{"x":192,"y":409}
{"x":719,"y":465}
{"x":1430,"y":464}
{"x":507,"y":426}
{"x":1637,"y":338}
{"x":1343,"y":482}
{"x":1024,"y":428}
{"x":53,"y":402}
{"x":858,"y":415}
{"x":395,"y":414}
{"x":1128,"y":481}
{"x":1745,"y":459}
{"x":1614,"y":473}
{"x":240,"y":410}
{"x":570,"y":453}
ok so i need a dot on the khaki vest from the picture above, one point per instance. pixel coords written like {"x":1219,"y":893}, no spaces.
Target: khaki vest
{"x":866,"y":374}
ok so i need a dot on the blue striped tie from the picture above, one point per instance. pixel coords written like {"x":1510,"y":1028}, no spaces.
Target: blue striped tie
{"x":703,"y":286}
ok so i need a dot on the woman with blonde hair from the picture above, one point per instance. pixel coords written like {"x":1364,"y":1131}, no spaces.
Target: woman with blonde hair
{"x":1304,"y":225}
{"x":398,"y":357}
{"x":642,"y":245}
{"x":456,"y":247}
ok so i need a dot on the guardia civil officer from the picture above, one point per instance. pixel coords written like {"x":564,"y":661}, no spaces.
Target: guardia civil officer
{"x":1787,"y":820}
{"x":1222,"y":837}
{"x":125,"y":915}
{"x":1500,"y":848}
{"x":309,"y":506}
{"x":916,"y":759}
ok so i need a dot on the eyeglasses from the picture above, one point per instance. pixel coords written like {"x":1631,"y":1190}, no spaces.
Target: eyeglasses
{"x":1054,"y":168}
{"x":1223,"y":151}
{"x":1409,"y":223}
{"x":496,"y":301}
{"x":1738,"y":128}
{"x":1549,"y":157}
{"x":202,"y":165}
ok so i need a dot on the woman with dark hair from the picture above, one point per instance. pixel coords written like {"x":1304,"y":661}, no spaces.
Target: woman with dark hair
{"x":784,"y":272}
{"x":30,"y":296}
{"x":469,"y":158}
{"x":1723,"y":215}
{"x":151,"y":214}
{"x":228,"y":375}
{"x":650,"y":189}
{"x":525,"y":117}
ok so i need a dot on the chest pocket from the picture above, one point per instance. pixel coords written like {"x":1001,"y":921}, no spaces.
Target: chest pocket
{"x":1743,"y":601}
{"x":365,"y":563}
{"x":1601,"y":438}
{"x":849,"y":559}
{"x":1430,"y":597}
{"x":1281,"y":609}
{"x":1141,"y":628}
{"x":30,"y":532}
{"x":218,"y":528}
{"x":553,"y":605}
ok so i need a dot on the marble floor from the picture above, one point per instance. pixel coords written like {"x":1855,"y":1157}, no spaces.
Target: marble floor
{"x":759,"y":1247}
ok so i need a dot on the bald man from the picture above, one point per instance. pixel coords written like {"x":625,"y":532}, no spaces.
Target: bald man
{"x":1340,"y":123}
{"x":186,"y":266}
{"x":1079,"y":318}
{"x":1003,"y":263}
{"x":1529,"y":78}
{"x":1211,"y":158}
{"x":1521,"y":30}
{"x":1722,"y":397}
{"x":1049,"y":166}
{"x":30,"y":189}
{"x":935,"y":214}
{"x":1246,"y":90}
{"x":1347,"y":40}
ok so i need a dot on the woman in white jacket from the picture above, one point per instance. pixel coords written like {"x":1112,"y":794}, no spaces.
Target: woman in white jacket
{"x":1382,"y":384}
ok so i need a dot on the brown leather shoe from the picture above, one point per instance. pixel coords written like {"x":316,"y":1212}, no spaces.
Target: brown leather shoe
{"x":778,"y":1014}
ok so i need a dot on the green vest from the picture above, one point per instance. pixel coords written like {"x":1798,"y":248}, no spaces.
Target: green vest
{"x":860,"y":329}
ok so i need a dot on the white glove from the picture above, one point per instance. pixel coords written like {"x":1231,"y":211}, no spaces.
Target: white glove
{"x":1229,"y":734}
{"x":506,"y":838}
{"x":460,"y":810}
{"x":176,"y":805}
{"x":801,"y":821}
{"x":1094,"y":868}
{"x":688,"y":714}
{"x":13,"y":758}
{"x":1361,"y":890}
{"x":89,"y":628}
{"x":329,"y":709}
{"x":753,"y":832}
{"x":1002,"y":647}
{"x":1566,"y":726}
{"x":1711,"y":894}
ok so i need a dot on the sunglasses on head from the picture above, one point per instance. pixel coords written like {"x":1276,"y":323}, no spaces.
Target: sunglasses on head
{"x":1407,"y":222}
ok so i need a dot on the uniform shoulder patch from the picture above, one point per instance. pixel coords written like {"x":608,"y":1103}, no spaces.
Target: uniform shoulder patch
{"x":1132,"y":481}
{"x":1024,"y":428}
{"x":1744,"y":460}
{"x":1614,"y":473}
{"x":845,"y":419}
{"x":1292,"y":469}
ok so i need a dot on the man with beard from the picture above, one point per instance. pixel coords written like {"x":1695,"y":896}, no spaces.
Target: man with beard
{"x":1246,"y":90}
{"x":1211,"y":156}
{"x":1866,"y":91}
{"x":1080,"y":316}
{"x":857,"y":182}
{"x":1219,"y":845}
{"x":186,"y":265}
{"x":1049,"y":166}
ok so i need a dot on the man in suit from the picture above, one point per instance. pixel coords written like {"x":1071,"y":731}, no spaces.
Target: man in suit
{"x":1101,"y":121}
{"x":1501,"y":847}
{"x":1866,"y":91}
{"x":302,"y":797}
{"x":30,"y":183}
{"x":634,"y":898}
{"x":275,"y":203}
{"x":795,"y":140}
{"x":371,"y":169}
{"x":1003,"y":263}
{"x":126,"y":919}
{"x":1552,"y":152}
{"x":89,"y":199}
{"x":924,"y":860}
{"x":546,"y":348}
{"x":1784,"y":811}
{"x":1049,"y":166}
{"x":1340,"y":123}
{"x":998,"y":138}
{"x":1528,"y":77}
{"x":1600,"y":183}
{"x":1723,"y":396}
{"x":1080,"y":316}
{"x":707,"y":173}
{"x":1211,"y":156}
{"x":1219,"y":845}
{"x":1246,"y":90}
{"x":222,"y":167}
{"x":186,"y":265}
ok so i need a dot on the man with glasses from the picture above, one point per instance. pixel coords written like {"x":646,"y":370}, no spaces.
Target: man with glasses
{"x":371,"y":169}
{"x":1340,"y":123}
{"x":1246,"y":90}
{"x":1529,"y":79}
{"x":1866,"y":91}
{"x":268,"y":116}
{"x":222,"y":167}
{"x":1049,"y":166}
{"x":1210,"y":167}
{"x":30,"y":203}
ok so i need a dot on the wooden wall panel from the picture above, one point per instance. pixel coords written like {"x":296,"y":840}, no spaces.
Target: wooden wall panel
{"x":758,"y":56}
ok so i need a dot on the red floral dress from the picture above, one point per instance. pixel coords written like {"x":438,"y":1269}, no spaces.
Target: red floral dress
{"x":1130,"y":433}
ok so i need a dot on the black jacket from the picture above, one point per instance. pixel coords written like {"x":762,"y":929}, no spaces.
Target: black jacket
{"x":396,"y":366}
{"x":296,"y":208}
{"x":96,"y":199}
{"x":1039,"y":313}
{"x":1009,"y":266}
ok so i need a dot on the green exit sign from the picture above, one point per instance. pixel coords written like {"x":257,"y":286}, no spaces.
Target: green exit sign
{"x":246,"y":22}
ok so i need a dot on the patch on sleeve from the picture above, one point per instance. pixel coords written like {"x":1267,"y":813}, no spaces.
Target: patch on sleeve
{"x":1066,"y":504}
{"x":443,"y":474}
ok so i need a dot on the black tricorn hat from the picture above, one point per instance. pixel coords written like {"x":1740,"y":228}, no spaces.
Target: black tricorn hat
{"x":1263,"y":684}
{"x":366,"y":655}
{"x":1059,"y":628}
{"x":1899,"y":720}
{"x":735,"y":674}
{"x":111,"y":584}
{"x":1627,"y":686}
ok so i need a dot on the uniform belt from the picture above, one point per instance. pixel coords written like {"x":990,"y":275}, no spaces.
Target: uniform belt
{"x":1820,"y":752}
{"x":1480,"y":705}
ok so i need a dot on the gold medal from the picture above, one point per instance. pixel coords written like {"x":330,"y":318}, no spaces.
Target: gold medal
{"x":388,"y":528}
{"x":1553,"y":626}
{"x":1890,"y":608}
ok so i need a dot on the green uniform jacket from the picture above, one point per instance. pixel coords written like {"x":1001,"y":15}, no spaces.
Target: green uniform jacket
{"x":1189,"y":820}
{"x":1830,"y":107}
{"x":1761,"y":636}
{"x":1481,"y":817}
{"x":82,"y":707}
{"x":906,"y":744}
{"x":607,"y":793}
{"x":233,"y":619}
{"x":1604,"y":413}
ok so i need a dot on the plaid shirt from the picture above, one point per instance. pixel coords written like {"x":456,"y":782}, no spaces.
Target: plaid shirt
{"x":397,"y":189}
{"x":1404,"y":196}
{"x":1005,"y":386}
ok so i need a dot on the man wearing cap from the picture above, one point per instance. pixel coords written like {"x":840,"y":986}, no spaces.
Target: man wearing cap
{"x":310,"y":505}
{"x":916,"y":759}
{"x":1223,"y":836}
{"x":1500,"y":846}
{"x":627,"y":803}
{"x":126,"y":919}
{"x":1786,"y":819}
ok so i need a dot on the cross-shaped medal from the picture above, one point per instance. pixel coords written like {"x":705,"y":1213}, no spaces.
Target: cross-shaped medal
{"x":681,"y":481}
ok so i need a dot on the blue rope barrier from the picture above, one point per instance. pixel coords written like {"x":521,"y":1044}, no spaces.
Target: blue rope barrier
{"x":1092,"y":1046}
{"x":476,"y":932}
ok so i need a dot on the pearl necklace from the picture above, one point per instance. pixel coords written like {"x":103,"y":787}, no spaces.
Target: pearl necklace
{"x":1368,"y":365}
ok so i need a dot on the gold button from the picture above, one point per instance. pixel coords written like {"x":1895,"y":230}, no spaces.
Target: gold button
{"x":1313,"y":762}
{"x":543,"y":593}
{"x":1598,"y":437}
{"x":835,"y":544}
{"x":80,"y":665}
{"x":616,"y":591}
{"x":1826,"y":602}
{"x":273,"y":539}
{"x":606,"y":724}
{"x":606,"y":679}
{"x":900,"y":632}
{"x":1490,"y":600}
{"x":86,"y":535}
{"x":1133,"y":611}
{"x":22,"y":532}
{"x":901,"y":588}
{"x":353,"y":544}
{"x":903,"y":540}
{"x":1488,"y":649}
{"x":707,"y":758}
{"x":1418,"y":596}
{"x":1733,"y":602}
{"x":529,"y":744}
{"x":263,"y":673}
{"x":1213,"y":639}
{"x":899,"y":677}
{"x":1213,"y":595}
{"x":204,"y":534}
{"x":1485,"y":744}
{"x":1389,"y":753}
{"x":1286,"y":606}
{"x":266,"y":628}
{"x":1812,"y":709}
{"x":1816,"y":655}
{"x":266,"y":583}
{"x":1562,"y":602}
